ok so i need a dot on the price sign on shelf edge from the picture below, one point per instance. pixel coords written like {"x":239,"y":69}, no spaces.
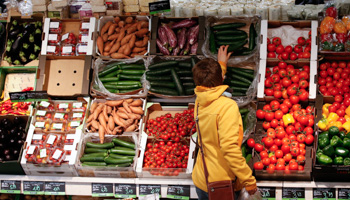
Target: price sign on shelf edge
{"x":33,"y":187}
{"x":178,"y":192}
{"x":55,"y":188}
{"x":12,"y":187}
{"x":159,"y":7}
{"x":268,"y":193}
{"x":344,"y":193}
{"x":324,"y":194}
{"x":293,"y":193}
{"x":149,"y":189}
{"x":125,"y":191}
{"x":102,"y":189}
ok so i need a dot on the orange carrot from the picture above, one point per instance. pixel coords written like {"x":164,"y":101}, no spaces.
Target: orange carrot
{"x":127,"y":50}
{"x":132,"y":41}
{"x":142,"y":32}
{"x":101,"y":133}
{"x":119,"y":56}
{"x":138,"y":49}
{"x":95,"y":124}
{"x":114,"y":103}
{"x":139,"y":43}
{"x":136,"y":110}
{"x":105,"y":112}
{"x":126,"y":107}
{"x":115,"y":47}
{"x":102,"y":120}
{"x":126,"y":39}
{"x":122,"y":114}
{"x":97,"y":111}
{"x":131,"y":128}
{"x":100,"y":44}
{"x":129,"y":20}
{"x":121,"y":34}
{"x":129,"y":100}
{"x":111,"y":123}
{"x":114,"y":36}
{"x":137,"y":102}
{"x":121,"y":49}
{"x":109,"y":46}
{"x":105,"y":37}
{"x":117,"y":30}
{"x":117,"y":120}
{"x":112,"y":28}
{"x":105,"y":27}
{"x":91,"y":117}
{"x":121,"y":24}
{"x":93,"y":107}
{"x":132,"y":29}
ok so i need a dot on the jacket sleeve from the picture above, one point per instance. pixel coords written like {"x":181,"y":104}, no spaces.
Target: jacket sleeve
{"x":229,"y":124}
{"x":223,"y":68}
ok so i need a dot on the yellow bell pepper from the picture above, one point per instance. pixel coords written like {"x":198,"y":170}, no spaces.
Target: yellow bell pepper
{"x":347,"y":118}
{"x":288,"y":119}
{"x":325,"y":110}
{"x":336,"y":123}
{"x":332,"y":117}
{"x":322,"y":124}
{"x":346,"y":126}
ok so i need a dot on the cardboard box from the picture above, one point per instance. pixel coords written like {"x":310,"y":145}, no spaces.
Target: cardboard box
{"x":57,"y":13}
{"x":33,"y":18}
{"x":64,"y":76}
{"x":103,"y":20}
{"x":70,"y":25}
{"x":266,"y":25}
{"x":156,"y":22}
{"x":120,"y":172}
{"x":152,"y":111}
{"x":297,"y":64}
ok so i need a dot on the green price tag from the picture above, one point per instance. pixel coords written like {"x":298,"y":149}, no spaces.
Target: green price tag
{"x":268,"y":193}
{"x":344,"y":193}
{"x":12,"y":187}
{"x":178,"y":192}
{"x":33,"y":187}
{"x":159,"y":7}
{"x":293,"y":193}
{"x":125,"y":191}
{"x":324,"y":194}
{"x":102,"y":189}
{"x":55,"y":188}
{"x":149,"y":189}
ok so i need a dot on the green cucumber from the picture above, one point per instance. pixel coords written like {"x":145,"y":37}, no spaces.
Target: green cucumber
{"x":126,"y":91}
{"x":186,"y":79}
{"x":189,"y":91}
{"x":177,"y":82}
{"x":159,"y":71}
{"x":233,"y":69}
{"x":246,"y":75}
{"x":252,"y":37}
{"x":123,"y":151}
{"x":132,"y":72}
{"x":237,"y":46}
{"x":117,"y":156}
{"x":233,"y":43}
{"x":120,"y":165}
{"x":112,"y":74}
{"x":189,"y":84}
{"x":129,"y":83}
{"x":112,"y":91}
{"x":133,"y":66}
{"x":95,"y":150}
{"x":229,"y":26}
{"x":92,"y":159}
{"x":109,"y":79}
{"x":184,"y":73}
{"x":109,"y":70}
{"x":212,"y":44}
{"x":119,"y":142}
{"x":110,"y":160}
{"x":158,"y":78}
{"x":243,"y":111}
{"x":129,"y":77}
{"x":225,"y":38}
{"x":93,"y":164}
{"x":245,"y":121}
{"x":185,"y":65}
{"x":165,"y":91}
{"x":162,"y":84}
{"x":96,"y":154}
{"x":238,"y":83}
{"x":165,"y":64}
{"x":100,"y":146}
{"x":123,"y":87}
{"x":235,"y":94}
{"x":240,"y":78}
{"x":230,"y":32}
{"x":239,"y":89}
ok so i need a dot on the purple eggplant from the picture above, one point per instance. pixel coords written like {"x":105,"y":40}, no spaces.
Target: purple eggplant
{"x":181,"y":37}
{"x":162,"y":36}
{"x":171,"y":36}
{"x":182,"y":52}
{"x":186,"y":23}
{"x":187,"y":48}
{"x":194,"y":48}
{"x":176,"y":51}
{"x":162,"y":49}
{"x":193,"y":34}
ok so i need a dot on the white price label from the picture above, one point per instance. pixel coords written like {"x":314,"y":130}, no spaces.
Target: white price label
{"x":44,"y":104}
{"x":37,"y":136}
{"x":57,"y":154}
{"x":77,"y":115}
{"x":43,"y":153}
{"x":54,"y":24}
{"x":77,"y":105}
{"x":51,"y":49}
{"x":59,"y":115}
{"x":67,"y":49}
{"x":74,"y":123}
{"x":57,"y":126}
{"x":65,"y":36}
{"x":85,"y":25}
{"x":40,"y":113}
{"x":39,"y":124}
{"x":70,"y":136}
{"x":82,"y":49}
{"x":63,"y":105}
{"x":53,"y":37}
{"x":31,"y":150}
{"x":85,"y":38}
{"x":51,"y":139}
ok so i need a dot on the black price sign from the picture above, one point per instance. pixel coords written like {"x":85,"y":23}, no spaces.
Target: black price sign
{"x":149,"y":189}
{"x":268,"y":193}
{"x":102,"y":189}
{"x":344,"y":193}
{"x":125,"y":190}
{"x":178,"y":192}
{"x":28,"y":96}
{"x":55,"y":188}
{"x":159,"y":7}
{"x":33,"y":187}
{"x":293,"y":193}
{"x":13,"y":187}
{"x":324,"y":194}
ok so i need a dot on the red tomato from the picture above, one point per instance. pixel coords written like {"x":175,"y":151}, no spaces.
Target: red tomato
{"x":303,"y":84}
{"x":278,"y":114}
{"x":293,"y":56}
{"x":277,"y":94}
{"x":304,"y":96}
{"x":298,"y":49}
{"x":307,"y":49}
{"x":288,"y":49}
{"x":278,"y":142}
{"x":271,"y":55}
{"x":285,"y":148}
{"x":260,"y":114}
{"x":309,"y":139}
{"x":274,"y":123}
{"x":271,"y":168}
{"x":273,"y":148}
{"x":334,"y":64}
{"x":308,"y":130}
{"x":280,"y":167}
{"x":271,"y":47}
{"x":330,"y":71}
{"x":268,"y":142}
{"x":295,"y":151}
{"x":293,"y":166}
{"x":266,"y":125}
{"x":323,"y":74}
{"x":258,"y":166}
{"x":267,"y":107}
{"x":304,"y":75}
{"x":273,"y":159}
{"x":251,"y":142}
{"x":300,"y":168}
{"x":301,"y":138}
{"x":342,"y":64}
{"x":301,"y":41}
{"x":280,"y":49}
{"x":258,"y":147}
{"x":294,"y":99}
{"x":268,"y":41}
{"x":269,"y":116}
{"x":269,"y":92}
{"x":275,"y":104}
{"x":340,"y":112}
{"x":279,"y":154}
{"x":285,"y":56}
{"x":264,"y":154}
{"x":323,"y":66}
{"x":266,"y":161}
{"x":276,"y":41}
{"x":284,"y":108}
{"x":301,"y":159}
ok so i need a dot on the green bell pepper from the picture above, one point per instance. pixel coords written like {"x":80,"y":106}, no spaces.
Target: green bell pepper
{"x":338,"y":160}
{"x":323,"y":142}
{"x":324,"y":159}
{"x":244,"y":148}
{"x":347,"y":161}
{"x":333,"y":130}
{"x":328,"y":150}
{"x":346,"y":142}
{"x":339,"y":47}
{"x":336,"y":141}
{"x":342,"y":135}
{"x":324,"y":134}
{"x":341,"y":151}
{"x":348,"y":135}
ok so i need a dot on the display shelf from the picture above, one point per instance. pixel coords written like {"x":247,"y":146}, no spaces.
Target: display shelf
{"x":82,"y":185}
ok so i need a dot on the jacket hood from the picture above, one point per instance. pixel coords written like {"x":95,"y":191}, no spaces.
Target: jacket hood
{"x":207,"y":95}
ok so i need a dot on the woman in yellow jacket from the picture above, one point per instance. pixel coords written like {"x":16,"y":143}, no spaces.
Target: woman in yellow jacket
{"x":221,"y":127}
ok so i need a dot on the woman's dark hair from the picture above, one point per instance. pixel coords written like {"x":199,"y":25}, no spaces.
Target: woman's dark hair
{"x":208,"y":73}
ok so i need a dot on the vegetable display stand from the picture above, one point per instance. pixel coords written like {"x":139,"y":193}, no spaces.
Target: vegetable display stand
{"x":23,"y":43}
{"x":299,"y":37}
{"x":177,"y":36}
{"x":122,"y":37}
{"x":119,"y":162}
{"x":171,"y":78}
{"x":270,"y":72}
{"x":240,"y":33}
{"x":248,"y":114}
{"x":123,"y":79}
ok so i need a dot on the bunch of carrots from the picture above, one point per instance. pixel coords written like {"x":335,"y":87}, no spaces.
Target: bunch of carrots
{"x":114,"y":117}
{"x":120,"y":39}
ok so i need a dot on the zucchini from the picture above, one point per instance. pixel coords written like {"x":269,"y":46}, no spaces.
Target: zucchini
{"x":132,"y":66}
{"x":225,"y":38}
{"x":94,"y":164}
{"x":110,"y":160}
{"x":230,"y":32}
{"x":239,"y":83}
{"x":112,"y":74}
{"x":116,"y":156}
{"x":249,"y":76}
{"x":165,"y":91}
{"x":128,"y":83}
{"x":158,"y":78}
{"x":132,"y":72}
{"x":189,"y":91}
{"x":234,"y":43}
{"x":234,"y":69}
{"x":92,"y":159}
{"x":252,"y":37}
{"x":123,"y":151}
{"x":130,"y":77}
{"x":100,"y":146}
{"x":108,"y":70}
{"x":229,"y":26}
{"x":159,"y":71}
{"x":95,"y":150}
{"x":235,"y":94}
{"x":239,"y":89}
{"x":126,"y":91}
{"x":177,"y":82}
{"x":243,"y":111}
{"x":162,"y":84}
{"x":186,"y":79}
{"x":123,"y":143}
{"x":239,"y":78}
{"x":189,"y":84}
{"x":120,"y":165}
{"x":109,"y":79}
{"x":238,"y":45}
{"x":165,"y":64}
{"x":96,"y":154}
{"x":184,"y":73}
{"x":212,"y":44}
{"x":185,"y":65}
{"x":112,"y":91}
{"x":123,"y":87}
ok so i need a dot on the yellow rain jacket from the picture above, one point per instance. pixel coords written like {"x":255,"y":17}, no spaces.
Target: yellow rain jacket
{"x":222,"y":133}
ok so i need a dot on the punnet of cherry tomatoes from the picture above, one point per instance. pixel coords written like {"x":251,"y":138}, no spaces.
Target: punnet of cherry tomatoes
{"x":287,"y":131}
{"x":288,"y":82}
{"x":300,"y":49}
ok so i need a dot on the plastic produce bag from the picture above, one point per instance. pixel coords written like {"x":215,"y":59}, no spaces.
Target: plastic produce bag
{"x":25,"y":7}
{"x":251,"y":121}
{"x":245,"y":196}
